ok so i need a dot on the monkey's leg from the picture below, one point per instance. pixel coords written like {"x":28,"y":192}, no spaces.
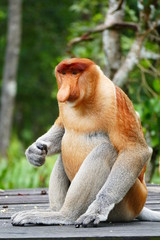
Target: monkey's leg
{"x":82,"y":191}
{"x":58,"y":185}
{"x":123,"y":175}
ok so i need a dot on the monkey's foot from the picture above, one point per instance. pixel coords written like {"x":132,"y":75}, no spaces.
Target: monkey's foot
{"x":94,"y":215}
{"x":39,"y":217}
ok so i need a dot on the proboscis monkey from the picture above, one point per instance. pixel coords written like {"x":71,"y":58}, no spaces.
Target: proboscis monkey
{"x":99,"y":174}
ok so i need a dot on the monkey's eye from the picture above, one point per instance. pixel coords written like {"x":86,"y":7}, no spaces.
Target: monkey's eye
{"x":74,"y":72}
{"x":63,"y":72}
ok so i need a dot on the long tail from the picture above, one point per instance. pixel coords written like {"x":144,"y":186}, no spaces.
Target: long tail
{"x":149,"y":215}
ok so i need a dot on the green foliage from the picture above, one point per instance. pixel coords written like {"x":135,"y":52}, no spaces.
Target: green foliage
{"x":126,"y":43}
{"x":156,"y":176}
{"x":18,"y":173}
{"x":150,"y":117}
{"x":144,"y":90}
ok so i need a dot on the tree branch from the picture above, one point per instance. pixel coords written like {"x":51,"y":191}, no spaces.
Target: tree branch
{"x":119,"y":6}
{"x":101,"y":28}
{"x":120,"y":78}
{"x":149,"y":54}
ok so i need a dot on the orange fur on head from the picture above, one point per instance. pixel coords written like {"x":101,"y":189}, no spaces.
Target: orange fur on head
{"x":73,"y":65}
{"x":68,"y":73}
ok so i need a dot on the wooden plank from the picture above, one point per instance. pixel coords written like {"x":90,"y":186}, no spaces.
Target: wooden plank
{"x":155,"y":188}
{"x":33,"y":198}
{"x":153,"y":202}
{"x":27,"y":191}
{"x":22,"y":199}
{"x":7,"y":211}
{"x":152,"y":189}
{"x":18,"y":200}
{"x":116,"y":230}
{"x":37,"y":191}
{"x":153,"y":194}
{"x":153,"y":206}
{"x":150,"y":197}
{"x":22,"y":196}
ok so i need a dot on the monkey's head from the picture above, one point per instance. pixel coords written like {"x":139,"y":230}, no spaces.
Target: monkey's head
{"x":76,"y":79}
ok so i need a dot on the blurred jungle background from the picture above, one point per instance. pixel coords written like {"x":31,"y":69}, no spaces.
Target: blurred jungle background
{"x":123,"y":37}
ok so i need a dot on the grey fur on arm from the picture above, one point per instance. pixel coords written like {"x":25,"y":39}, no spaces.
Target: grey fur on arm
{"x":47,"y":144}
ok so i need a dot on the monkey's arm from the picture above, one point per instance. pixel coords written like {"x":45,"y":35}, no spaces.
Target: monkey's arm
{"x":47,"y":144}
{"x":121,"y":178}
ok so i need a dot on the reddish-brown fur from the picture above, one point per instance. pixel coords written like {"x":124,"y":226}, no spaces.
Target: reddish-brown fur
{"x":74,"y":66}
{"x":127,"y":121}
{"x":131,"y":205}
{"x":103,"y":108}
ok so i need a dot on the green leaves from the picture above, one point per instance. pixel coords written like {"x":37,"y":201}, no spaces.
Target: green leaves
{"x":149,"y":111}
{"x":17,"y":172}
{"x":156,"y":85}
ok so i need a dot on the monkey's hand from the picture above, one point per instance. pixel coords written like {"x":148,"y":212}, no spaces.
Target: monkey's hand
{"x":95,"y":214}
{"x":36,"y":153}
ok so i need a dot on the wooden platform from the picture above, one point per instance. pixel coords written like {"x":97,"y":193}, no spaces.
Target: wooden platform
{"x":16,"y":200}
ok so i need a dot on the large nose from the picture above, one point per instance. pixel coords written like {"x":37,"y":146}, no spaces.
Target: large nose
{"x":63,"y":93}
{"x":69,"y":90}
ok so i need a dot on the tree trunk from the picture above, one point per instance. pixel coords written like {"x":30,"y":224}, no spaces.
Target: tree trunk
{"x":9,"y":84}
{"x":111,"y":39}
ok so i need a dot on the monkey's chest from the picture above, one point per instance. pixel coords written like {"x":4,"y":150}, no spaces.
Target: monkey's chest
{"x":75,"y":149}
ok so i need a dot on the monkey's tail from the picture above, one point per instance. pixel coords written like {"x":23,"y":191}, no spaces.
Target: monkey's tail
{"x":149,"y":215}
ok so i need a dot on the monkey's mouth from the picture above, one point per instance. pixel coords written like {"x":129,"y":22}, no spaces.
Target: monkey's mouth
{"x":73,"y":97}
{"x":73,"y":102}
{"x":67,"y":95}
{"x":70,"y":98}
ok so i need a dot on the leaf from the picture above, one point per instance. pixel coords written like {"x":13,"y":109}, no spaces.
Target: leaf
{"x":145,"y":63}
{"x":156,"y":85}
